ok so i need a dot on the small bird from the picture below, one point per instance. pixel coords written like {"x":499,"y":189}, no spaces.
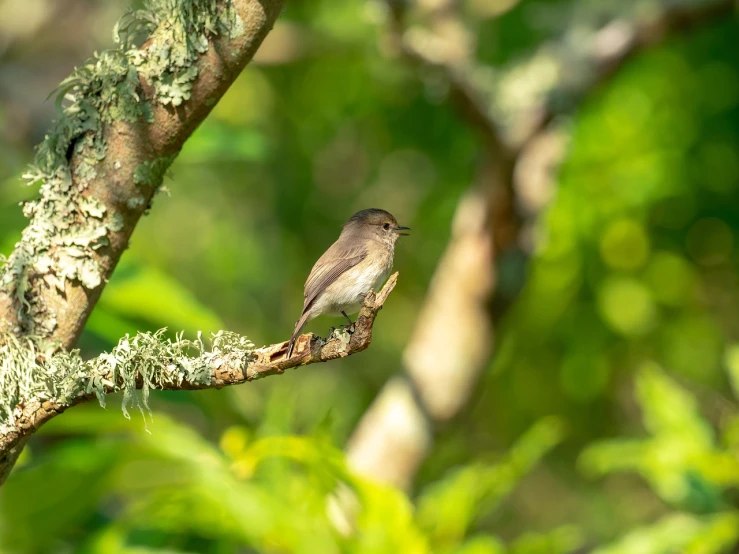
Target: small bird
{"x":358,"y":261}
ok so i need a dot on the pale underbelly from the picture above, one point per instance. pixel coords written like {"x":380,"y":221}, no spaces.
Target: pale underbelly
{"x":348,"y":291}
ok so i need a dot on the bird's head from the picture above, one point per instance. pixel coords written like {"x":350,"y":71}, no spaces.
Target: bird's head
{"x":377,"y":223}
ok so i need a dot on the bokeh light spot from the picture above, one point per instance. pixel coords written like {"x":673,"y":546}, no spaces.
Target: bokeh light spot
{"x":626,"y":306}
{"x":624,"y":245}
{"x":670,"y":278}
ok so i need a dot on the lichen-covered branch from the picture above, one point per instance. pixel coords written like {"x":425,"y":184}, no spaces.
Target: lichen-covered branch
{"x":124,"y":115}
{"x":151,"y":361}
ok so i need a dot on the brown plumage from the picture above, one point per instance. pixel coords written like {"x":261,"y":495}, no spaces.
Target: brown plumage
{"x":358,"y":261}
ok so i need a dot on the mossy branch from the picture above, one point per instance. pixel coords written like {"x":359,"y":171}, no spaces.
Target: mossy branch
{"x":152,"y":361}
{"x":123,"y":117}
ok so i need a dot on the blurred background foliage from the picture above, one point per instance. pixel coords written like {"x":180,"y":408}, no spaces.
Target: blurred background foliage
{"x":607,"y":421}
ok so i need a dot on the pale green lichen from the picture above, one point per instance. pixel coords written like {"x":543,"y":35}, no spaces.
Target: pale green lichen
{"x":167,"y":62}
{"x":67,"y":224}
{"x":343,"y":335}
{"x":236,"y":27}
{"x":116,"y":222}
{"x":145,"y":361}
{"x":136,"y":202}
{"x":151,"y":173}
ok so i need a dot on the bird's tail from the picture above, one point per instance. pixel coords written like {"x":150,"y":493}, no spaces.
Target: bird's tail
{"x":296,"y":333}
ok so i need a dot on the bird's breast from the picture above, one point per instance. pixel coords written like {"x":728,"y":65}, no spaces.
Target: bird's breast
{"x":347,"y":292}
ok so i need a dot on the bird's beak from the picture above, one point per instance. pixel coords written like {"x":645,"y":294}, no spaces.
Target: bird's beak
{"x":399,"y":229}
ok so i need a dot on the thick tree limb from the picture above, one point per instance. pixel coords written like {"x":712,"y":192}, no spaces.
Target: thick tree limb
{"x":150,"y":361}
{"x":121,"y":172}
{"x":132,"y":108}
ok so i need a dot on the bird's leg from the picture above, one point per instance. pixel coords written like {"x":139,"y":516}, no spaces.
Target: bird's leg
{"x":351,"y":323}
{"x":347,"y":317}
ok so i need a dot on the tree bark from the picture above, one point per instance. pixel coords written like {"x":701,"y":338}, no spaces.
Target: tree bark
{"x":112,"y":167}
{"x":117,"y":183}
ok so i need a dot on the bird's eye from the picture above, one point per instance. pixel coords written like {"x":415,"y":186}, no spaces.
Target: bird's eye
{"x":386,"y":226}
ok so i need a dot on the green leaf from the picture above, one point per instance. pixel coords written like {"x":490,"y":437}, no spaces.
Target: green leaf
{"x":682,"y":533}
{"x":447,"y":508}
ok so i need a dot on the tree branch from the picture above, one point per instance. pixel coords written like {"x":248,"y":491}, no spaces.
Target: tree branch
{"x":124,"y":117}
{"x":614,"y":45}
{"x":129,"y":111}
{"x":150,"y":361}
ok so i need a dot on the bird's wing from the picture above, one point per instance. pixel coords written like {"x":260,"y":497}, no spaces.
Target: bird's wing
{"x":335,"y":261}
